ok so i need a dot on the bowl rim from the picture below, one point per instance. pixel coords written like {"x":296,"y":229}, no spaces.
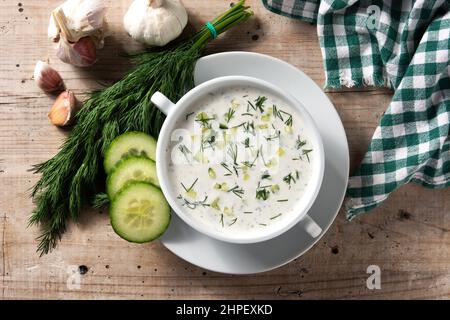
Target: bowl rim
{"x":164,"y":142}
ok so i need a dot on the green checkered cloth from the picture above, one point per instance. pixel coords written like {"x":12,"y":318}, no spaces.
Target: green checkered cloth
{"x":404,"y":45}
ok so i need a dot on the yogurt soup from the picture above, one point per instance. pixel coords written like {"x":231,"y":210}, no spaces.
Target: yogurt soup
{"x":240,"y":160}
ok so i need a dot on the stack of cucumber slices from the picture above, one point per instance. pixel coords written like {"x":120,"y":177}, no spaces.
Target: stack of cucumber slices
{"x":138,"y":211}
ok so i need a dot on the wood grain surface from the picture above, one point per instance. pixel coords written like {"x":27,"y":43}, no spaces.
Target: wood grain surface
{"x":408,"y":237}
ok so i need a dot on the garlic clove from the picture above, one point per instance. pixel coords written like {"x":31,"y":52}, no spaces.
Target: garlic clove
{"x":63,"y":110}
{"x":80,"y":54}
{"x":47,"y":78}
{"x":85,"y":48}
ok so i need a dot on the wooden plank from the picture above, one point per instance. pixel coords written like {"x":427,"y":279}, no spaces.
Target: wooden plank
{"x":408,"y":237}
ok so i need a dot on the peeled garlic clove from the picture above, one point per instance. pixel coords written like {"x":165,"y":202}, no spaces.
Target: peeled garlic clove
{"x":63,"y":110}
{"x":47,"y":78}
{"x":80,"y":54}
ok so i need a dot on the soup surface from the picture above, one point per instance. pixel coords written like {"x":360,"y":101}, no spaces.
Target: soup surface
{"x":240,"y":160}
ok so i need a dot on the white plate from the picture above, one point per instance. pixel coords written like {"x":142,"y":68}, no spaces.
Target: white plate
{"x":219,"y":256}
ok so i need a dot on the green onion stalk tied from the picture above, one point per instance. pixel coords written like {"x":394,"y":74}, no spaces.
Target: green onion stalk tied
{"x":72,"y":178}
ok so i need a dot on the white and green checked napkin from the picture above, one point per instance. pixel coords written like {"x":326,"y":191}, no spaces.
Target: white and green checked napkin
{"x":404,"y":45}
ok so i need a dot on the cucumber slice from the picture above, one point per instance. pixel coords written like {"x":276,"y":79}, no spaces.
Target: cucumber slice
{"x":129,"y":144}
{"x":139,"y":212}
{"x":131,"y":169}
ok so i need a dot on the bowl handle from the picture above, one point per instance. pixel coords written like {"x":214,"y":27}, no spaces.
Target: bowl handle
{"x":162,"y":102}
{"x":310,"y":226}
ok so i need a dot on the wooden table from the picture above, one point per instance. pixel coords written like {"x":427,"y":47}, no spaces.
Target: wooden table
{"x":408,"y":237}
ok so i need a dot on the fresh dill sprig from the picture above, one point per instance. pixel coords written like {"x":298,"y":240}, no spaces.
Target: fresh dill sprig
{"x":289,"y":179}
{"x":250,"y":105}
{"x":237,"y":191}
{"x":226,"y":167}
{"x":274,"y":217}
{"x":185,"y":151}
{"x":251,"y":164}
{"x":204,"y":120}
{"x":239,"y":125}
{"x":233,"y":152}
{"x":288,"y":121}
{"x":209,"y":141}
{"x":188,"y":115}
{"x":230,"y":114}
{"x":232,"y":222}
{"x":259,"y":103}
{"x":306,"y":152}
{"x":236,"y":168}
{"x":262,"y":193}
{"x":274,"y":136}
{"x":299,"y":143}
{"x":277,"y":113}
{"x":249,"y":127}
{"x":100,"y":200}
{"x":193,"y":204}
{"x":190,"y":188}
{"x":246,"y":143}
{"x":265,"y":175}
{"x":74,"y":175}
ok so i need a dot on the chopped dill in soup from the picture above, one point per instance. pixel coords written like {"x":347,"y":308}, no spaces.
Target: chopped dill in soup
{"x":240,"y":159}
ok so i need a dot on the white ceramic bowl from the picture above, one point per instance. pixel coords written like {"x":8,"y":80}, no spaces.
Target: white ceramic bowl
{"x":174,"y":111}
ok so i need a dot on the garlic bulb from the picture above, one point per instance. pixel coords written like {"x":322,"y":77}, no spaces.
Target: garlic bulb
{"x":155,"y":22}
{"x":47,"y":78}
{"x":79,"y":29}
